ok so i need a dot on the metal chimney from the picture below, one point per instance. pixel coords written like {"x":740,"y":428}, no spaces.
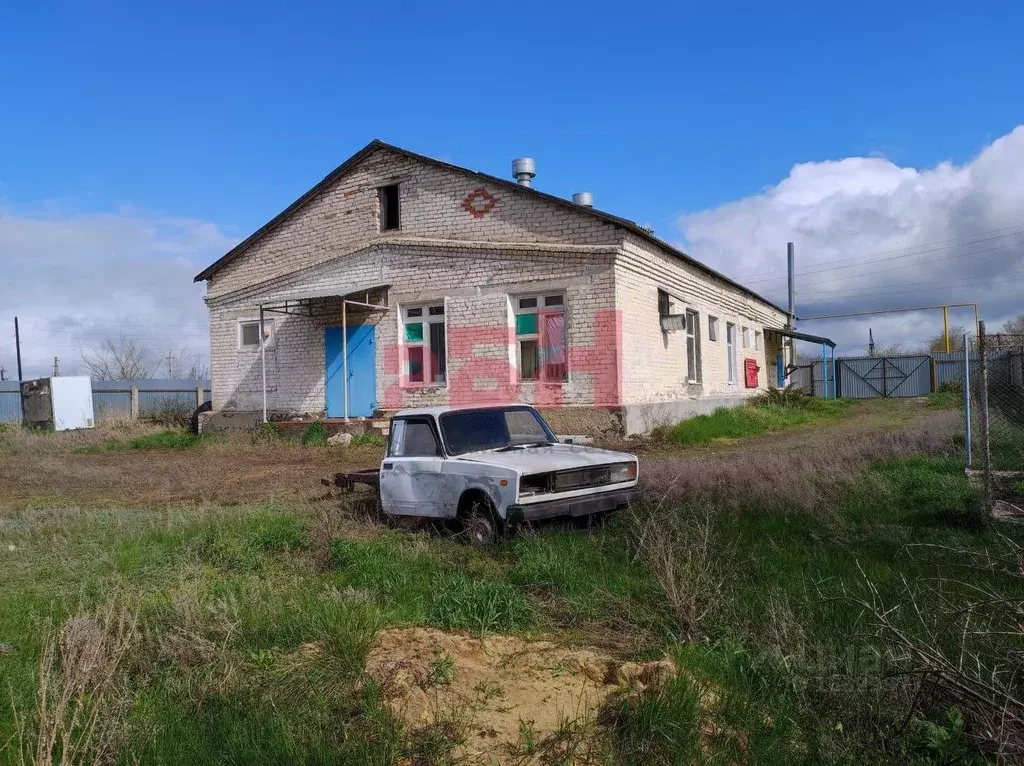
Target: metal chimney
{"x":586,"y":199}
{"x":523,"y":170}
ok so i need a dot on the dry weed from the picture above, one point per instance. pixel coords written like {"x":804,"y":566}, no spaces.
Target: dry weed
{"x":687,"y":558}
{"x":78,"y":715}
{"x":801,"y":477}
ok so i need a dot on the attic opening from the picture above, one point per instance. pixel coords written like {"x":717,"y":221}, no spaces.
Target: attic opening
{"x":390,"y":218}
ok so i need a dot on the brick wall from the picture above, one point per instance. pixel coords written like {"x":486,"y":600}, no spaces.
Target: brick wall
{"x":345,"y":216}
{"x":655,"y":363}
{"x":475,"y":287}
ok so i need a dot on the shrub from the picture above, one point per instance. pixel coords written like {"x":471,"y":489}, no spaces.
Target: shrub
{"x":315,"y":435}
{"x":267,"y":432}
{"x":172,"y":412}
{"x":790,"y":396}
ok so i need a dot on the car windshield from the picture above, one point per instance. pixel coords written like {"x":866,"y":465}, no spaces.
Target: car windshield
{"x":497,"y":428}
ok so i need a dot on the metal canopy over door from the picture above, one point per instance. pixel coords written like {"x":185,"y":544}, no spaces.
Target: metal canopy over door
{"x":362,"y":371}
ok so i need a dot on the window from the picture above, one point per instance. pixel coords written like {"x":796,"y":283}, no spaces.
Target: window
{"x":541,"y":337}
{"x":412,"y":437}
{"x":249,"y":333}
{"x":477,"y":430}
{"x":389,"y":211}
{"x":713,"y":328}
{"x":757,"y":340}
{"x":746,"y":337}
{"x":423,"y":339}
{"x":730,"y":350}
{"x":692,"y":347}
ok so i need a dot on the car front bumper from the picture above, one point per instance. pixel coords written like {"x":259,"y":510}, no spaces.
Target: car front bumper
{"x":573,"y":506}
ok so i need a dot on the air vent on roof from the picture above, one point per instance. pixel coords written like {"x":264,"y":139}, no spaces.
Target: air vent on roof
{"x":583,"y":198}
{"x":523,"y":170}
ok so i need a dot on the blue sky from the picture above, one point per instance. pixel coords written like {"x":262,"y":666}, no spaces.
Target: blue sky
{"x":163,"y":132}
{"x":228,"y":111}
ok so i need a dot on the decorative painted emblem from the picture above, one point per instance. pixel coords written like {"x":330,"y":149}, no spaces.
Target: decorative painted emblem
{"x":479,"y":202}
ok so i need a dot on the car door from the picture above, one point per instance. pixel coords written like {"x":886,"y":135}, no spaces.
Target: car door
{"x":411,"y":481}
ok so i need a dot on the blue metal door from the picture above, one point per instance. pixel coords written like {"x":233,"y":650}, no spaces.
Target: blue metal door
{"x":362,"y":364}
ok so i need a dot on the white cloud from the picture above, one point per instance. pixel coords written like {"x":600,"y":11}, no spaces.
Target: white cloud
{"x":75,"y":280}
{"x":872,"y":235}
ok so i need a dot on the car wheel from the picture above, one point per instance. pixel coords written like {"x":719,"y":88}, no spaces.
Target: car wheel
{"x":482,"y":525}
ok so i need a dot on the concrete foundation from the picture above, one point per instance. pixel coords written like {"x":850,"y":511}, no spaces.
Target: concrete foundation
{"x":642,"y":418}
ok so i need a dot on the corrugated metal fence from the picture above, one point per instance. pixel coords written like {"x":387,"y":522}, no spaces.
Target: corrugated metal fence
{"x":868,"y":377}
{"x":112,"y":398}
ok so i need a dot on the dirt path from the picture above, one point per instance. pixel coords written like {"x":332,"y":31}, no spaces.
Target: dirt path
{"x":47,"y":471}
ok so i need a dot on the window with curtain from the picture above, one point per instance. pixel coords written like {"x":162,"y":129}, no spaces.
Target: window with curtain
{"x":541,"y":337}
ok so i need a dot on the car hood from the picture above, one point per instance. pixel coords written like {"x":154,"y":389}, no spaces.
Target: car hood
{"x":554,"y":457}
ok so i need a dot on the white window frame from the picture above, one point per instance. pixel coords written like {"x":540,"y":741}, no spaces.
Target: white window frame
{"x":757,"y":340}
{"x":539,"y":309}
{"x":427,"y":319}
{"x":730,"y":353}
{"x":269,"y":329}
{"x":713,"y":329}
{"x":692,"y":340}
{"x":746,"y":337}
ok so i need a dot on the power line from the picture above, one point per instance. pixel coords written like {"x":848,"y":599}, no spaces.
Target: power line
{"x":880,"y":260}
{"x":909,"y":247}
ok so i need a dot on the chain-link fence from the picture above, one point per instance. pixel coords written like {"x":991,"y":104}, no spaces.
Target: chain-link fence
{"x":994,"y":417}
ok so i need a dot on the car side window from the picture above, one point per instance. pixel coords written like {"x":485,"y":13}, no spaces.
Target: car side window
{"x":413,"y":438}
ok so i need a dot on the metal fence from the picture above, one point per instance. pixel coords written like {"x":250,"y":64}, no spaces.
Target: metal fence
{"x":122,"y":398}
{"x":870,"y":377}
{"x":994,"y":419}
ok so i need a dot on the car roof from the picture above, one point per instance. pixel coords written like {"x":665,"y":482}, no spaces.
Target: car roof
{"x":440,"y":409}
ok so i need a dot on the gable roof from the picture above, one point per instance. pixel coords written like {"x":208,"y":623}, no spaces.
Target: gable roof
{"x":339,"y":171}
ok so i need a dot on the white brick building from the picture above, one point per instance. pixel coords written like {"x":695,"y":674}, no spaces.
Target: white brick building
{"x":420,"y":282}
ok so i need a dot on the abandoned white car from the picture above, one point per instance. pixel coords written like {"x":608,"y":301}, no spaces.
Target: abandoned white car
{"x":492,"y":466}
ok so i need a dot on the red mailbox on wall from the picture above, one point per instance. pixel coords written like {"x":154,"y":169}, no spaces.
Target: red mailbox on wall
{"x":750,"y":369}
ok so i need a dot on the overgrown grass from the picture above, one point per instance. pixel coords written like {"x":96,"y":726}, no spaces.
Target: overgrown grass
{"x":737,"y":422}
{"x":255,"y":622}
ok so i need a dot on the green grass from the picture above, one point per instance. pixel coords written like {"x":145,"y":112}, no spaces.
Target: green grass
{"x":946,"y":400}
{"x":752,"y":420}
{"x":173,"y":439}
{"x":368,"y":440}
{"x":230,"y":603}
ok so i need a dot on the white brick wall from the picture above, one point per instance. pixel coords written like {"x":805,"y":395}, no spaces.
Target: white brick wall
{"x":346,"y":216}
{"x":655,"y":363}
{"x":524,"y":245}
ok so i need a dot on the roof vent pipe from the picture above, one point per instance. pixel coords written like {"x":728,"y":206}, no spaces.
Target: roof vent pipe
{"x":586,"y":199}
{"x":523,"y":170}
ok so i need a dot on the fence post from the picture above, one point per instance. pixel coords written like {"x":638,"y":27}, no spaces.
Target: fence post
{"x":133,"y":403}
{"x":966,"y":384}
{"x":986,"y":443}
{"x":200,"y":398}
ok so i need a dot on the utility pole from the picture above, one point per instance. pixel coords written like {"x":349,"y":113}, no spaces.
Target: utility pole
{"x":17,"y":346}
{"x":871,"y":343}
{"x":3,"y":373}
{"x":790,"y":261}
{"x":170,"y":364}
{"x":56,"y":367}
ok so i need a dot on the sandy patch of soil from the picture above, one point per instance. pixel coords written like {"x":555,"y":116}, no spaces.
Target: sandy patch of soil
{"x":499,"y":690}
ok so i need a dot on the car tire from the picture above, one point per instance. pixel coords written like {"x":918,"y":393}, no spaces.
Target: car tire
{"x":481,"y":525}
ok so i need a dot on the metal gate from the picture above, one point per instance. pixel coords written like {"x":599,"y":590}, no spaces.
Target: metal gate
{"x":875,"y":377}
{"x":869,"y":377}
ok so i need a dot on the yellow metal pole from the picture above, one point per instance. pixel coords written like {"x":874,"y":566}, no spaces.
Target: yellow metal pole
{"x":945,"y":326}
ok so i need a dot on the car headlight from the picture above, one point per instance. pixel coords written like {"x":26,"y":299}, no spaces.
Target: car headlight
{"x":621,"y":472}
